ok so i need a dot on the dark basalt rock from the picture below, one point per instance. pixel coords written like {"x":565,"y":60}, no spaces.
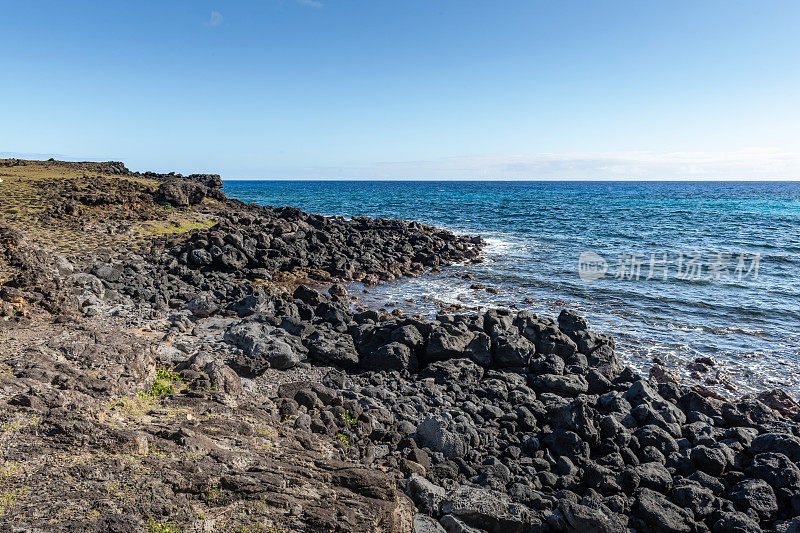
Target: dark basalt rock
{"x":513,"y":351}
{"x":777,"y":470}
{"x":263,"y":347}
{"x":331,"y":347}
{"x":210,"y":181}
{"x":180,"y":193}
{"x":783,"y":443}
{"x":308,"y":295}
{"x":447,"y":342}
{"x":754,"y":494}
{"x":661,"y":515}
{"x":392,"y":356}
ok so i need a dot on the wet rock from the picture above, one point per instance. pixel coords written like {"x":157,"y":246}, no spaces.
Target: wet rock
{"x":337,"y":289}
{"x":780,"y":401}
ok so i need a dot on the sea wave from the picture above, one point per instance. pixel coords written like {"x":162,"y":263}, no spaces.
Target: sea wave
{"x":536,"y":231}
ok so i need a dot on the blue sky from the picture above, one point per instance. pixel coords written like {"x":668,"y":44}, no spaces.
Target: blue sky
{"x":413,"y":89}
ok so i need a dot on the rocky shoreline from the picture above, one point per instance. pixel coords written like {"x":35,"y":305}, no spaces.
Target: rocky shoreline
{"x":217,"y":377}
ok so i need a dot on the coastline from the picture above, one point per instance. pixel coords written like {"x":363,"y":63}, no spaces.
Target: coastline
{"x":745,"y":326}
{"x":183,"y":346}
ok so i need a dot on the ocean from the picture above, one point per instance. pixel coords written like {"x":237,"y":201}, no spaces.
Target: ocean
{"x":673,"y":270}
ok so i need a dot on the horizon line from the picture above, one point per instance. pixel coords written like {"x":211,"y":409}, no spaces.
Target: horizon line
{"x":526,"y":180}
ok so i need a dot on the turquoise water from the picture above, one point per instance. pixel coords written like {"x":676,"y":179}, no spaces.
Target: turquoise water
{"x":748,"y":321}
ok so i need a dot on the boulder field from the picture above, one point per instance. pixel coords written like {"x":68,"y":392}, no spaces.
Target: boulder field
{"x":506,"y":421}
{"x":222,"y":379}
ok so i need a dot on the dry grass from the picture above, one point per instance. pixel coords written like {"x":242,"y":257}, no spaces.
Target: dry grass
{"x":26,"y":192}
{"x":24,"y":186}
{"x":179,"y":224}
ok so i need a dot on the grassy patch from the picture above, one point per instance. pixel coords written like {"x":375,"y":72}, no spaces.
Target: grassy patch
{"x":132,"y":408}
{"x":344,"y":439}
{"x":19,"y":421}
{"x":162,"y":527}
{"x":176,"y":225}
{"x":9,"y":498}
{"x":166,"y":382}
{"x":9,"y":469}
{"x":93,"y":515}
{"x":27,"y":191}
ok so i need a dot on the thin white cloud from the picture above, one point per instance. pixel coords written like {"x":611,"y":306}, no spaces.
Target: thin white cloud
{"x":216,"y":18}
{"x":312,"y":3}
{"x":747,"y":164}
{"x":751,"y":163}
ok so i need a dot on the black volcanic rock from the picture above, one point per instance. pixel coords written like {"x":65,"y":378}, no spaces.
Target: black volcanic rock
{"x":181,"y":193}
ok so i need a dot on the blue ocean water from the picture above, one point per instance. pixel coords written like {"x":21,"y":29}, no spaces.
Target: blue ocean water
{"x":730,"y":252}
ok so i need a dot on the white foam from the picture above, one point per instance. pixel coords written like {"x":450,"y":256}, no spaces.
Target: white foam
{"x":495,"y":245}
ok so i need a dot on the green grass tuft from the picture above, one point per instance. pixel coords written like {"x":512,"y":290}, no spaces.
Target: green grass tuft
{"x":166,"y":382}
{"x":350,"y":420}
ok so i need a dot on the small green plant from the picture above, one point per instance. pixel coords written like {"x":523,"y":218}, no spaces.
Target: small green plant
{"x":350,"y":420}
{"x":344,"y":439}
{"x":166,"y":374}
{"x":165,"y":383}
{"x":158,"y":388}
{"x":213,"y":492}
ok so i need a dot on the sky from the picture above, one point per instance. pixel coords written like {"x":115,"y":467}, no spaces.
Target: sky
{"x":418,"y":89}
